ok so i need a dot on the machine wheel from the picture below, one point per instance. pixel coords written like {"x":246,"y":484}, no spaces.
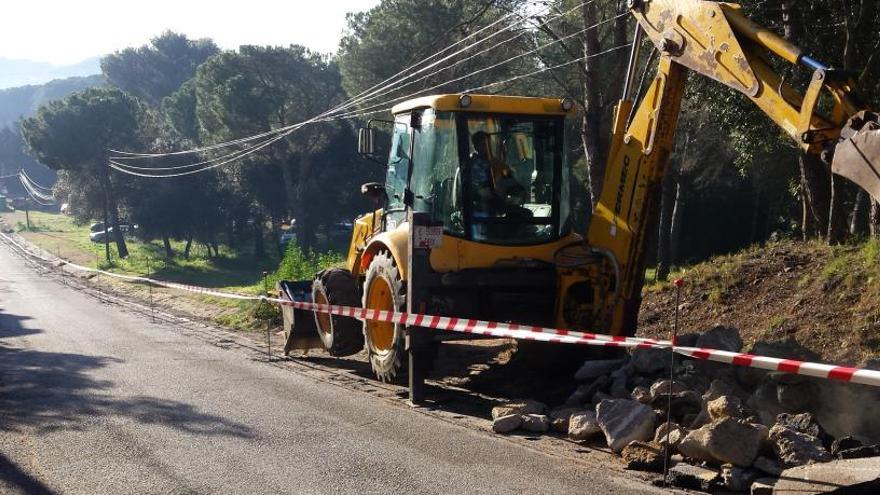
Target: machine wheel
{"x":341,"y":335}
{"x":384,"y":290}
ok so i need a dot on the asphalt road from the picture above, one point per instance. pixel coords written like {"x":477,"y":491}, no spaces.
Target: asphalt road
{"x":97,"y":399}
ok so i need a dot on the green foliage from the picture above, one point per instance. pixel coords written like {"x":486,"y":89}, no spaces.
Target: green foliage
{"x":298,"y":264}
{"x":154,"y":71}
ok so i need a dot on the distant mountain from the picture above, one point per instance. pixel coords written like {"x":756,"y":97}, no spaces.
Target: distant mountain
{"x":24,"y":72}
{"x":23,"y":101}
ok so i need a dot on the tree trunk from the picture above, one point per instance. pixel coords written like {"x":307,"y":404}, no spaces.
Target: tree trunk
{"x":667,"y":203}
{"x":841,"y":194}
{"x":676,"y":230}
{"x":816,"y":190}
{"x":858,"y":223}
{"x":591,"y":136}
{"x":106,"y":223}
{"x":166,"y":242}
{"x":188,"y":247}
{"x":874,"y":218}
{"x":259,"y":244}
{"x":118,"y":237}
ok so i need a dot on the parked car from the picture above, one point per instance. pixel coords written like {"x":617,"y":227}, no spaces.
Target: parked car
{"x":99,"y":235}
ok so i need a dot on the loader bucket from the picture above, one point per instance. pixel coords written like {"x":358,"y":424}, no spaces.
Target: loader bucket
{"x":299,"y":325}
{"x":857,"y":155}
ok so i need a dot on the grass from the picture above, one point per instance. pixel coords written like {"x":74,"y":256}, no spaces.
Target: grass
{"x":231,"y":271}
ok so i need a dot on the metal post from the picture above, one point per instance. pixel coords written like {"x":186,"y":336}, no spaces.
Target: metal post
{"x":150,"y":288}
{"x":417,"y":338}
{"x":678,"y":283}
{"x":268,"y":327}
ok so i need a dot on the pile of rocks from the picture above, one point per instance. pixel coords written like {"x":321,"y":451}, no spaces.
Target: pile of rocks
{"x":719,"y":427}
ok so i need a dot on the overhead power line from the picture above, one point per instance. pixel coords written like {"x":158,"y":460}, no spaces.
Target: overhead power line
{"x":372,"y":91}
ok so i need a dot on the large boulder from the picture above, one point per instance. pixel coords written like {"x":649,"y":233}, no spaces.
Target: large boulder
{"x":852,"y":476}
{"x":519,"y":406}
{"x":765,"y":403}
{"x":595,"y":368}
{"x":722,"y":338}
{"x":583,"y":425}
{"x":650,"y":360}
{"x":665,"y":386}
{"x":585,"y":392}
{"x":782,"y":349}
{"x":727,"y":440}
{"x":726,"y":406}
{"x":807,"y":424}
{"x":624,"y":421}
{"x":795,"y":448}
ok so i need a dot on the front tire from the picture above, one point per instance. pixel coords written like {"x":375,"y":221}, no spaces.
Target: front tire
{"x":384,"y":290}
{"x":341,"y":335}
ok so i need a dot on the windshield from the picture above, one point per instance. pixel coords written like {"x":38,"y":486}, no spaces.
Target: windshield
{"x":517,"y":185}
{"x":493,"y":179}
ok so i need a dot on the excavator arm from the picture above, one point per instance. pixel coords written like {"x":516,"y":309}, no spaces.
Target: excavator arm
{"x":717,"y":41}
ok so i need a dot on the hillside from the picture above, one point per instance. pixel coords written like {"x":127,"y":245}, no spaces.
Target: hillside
{"x":824,"y":298}
{"x":24,"y":100}
{"x":15,"y":72}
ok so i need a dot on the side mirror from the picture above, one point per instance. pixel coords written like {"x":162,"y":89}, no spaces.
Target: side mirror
{"x":365,"y":141}
{"x":374,"y":191}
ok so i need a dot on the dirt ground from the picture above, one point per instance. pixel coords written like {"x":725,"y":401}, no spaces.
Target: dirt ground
{"x":823,"y":298}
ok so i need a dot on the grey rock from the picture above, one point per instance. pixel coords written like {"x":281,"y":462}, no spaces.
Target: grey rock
{"x":765,"y":403}
{"x":795,"y":448}
{"x":722,"y":338}
{"x":519,"y":406}
{"x":648,"y":361}
{"x":796,"y":393}
{"x":767,"y":465}
{"x":619,"y":381}
{"x":726,"y":406}
{"x":583,"y":425}
{"x":727,"y":440}
{"x":665,"y":386}
{"x":738,"y":479}
{"x":560,"y":417}
{"x":763,"y":486}
{"x":537,"y":423}
{"x":641,"y":394}
{"x":845,"y":443}
{"x":672,"y":434}
{"x":682,"y":404}
{"x":688,"y":339}
{"x":807,"y":424}
{"x":584,"y":393}
{"x":694,"y":477}
{"x":506,"y":424}
{"x":596,"y":368}
{"x":852,"y":476}
{"x":624,"y":421}
{"x":860,"y":452}
{"x":643,"y":456}
{"x":783,"y":349}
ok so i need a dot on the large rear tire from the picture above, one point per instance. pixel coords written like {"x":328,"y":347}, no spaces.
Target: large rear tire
{"x":341,"y":335}
{"x":385,"y":342}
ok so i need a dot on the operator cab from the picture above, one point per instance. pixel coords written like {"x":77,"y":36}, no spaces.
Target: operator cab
{"x":489,"y":169}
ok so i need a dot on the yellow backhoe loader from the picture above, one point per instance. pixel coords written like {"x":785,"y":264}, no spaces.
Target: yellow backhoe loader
{"x":474,"y":217}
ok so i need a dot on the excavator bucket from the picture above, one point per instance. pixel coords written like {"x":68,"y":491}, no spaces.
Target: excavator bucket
{"x":857,"y":155}
{"x":299,"y":325}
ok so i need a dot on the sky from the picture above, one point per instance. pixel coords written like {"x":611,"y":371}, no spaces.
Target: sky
{"x":64,"y":32}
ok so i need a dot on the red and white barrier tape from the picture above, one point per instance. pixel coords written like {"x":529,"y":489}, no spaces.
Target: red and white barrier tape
{"x":522,"y":332}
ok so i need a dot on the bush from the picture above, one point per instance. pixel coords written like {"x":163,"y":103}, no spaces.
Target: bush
{"x":302,"y":265}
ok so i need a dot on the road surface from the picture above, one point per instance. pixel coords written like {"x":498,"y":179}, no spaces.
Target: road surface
{"x":98,"y":399}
